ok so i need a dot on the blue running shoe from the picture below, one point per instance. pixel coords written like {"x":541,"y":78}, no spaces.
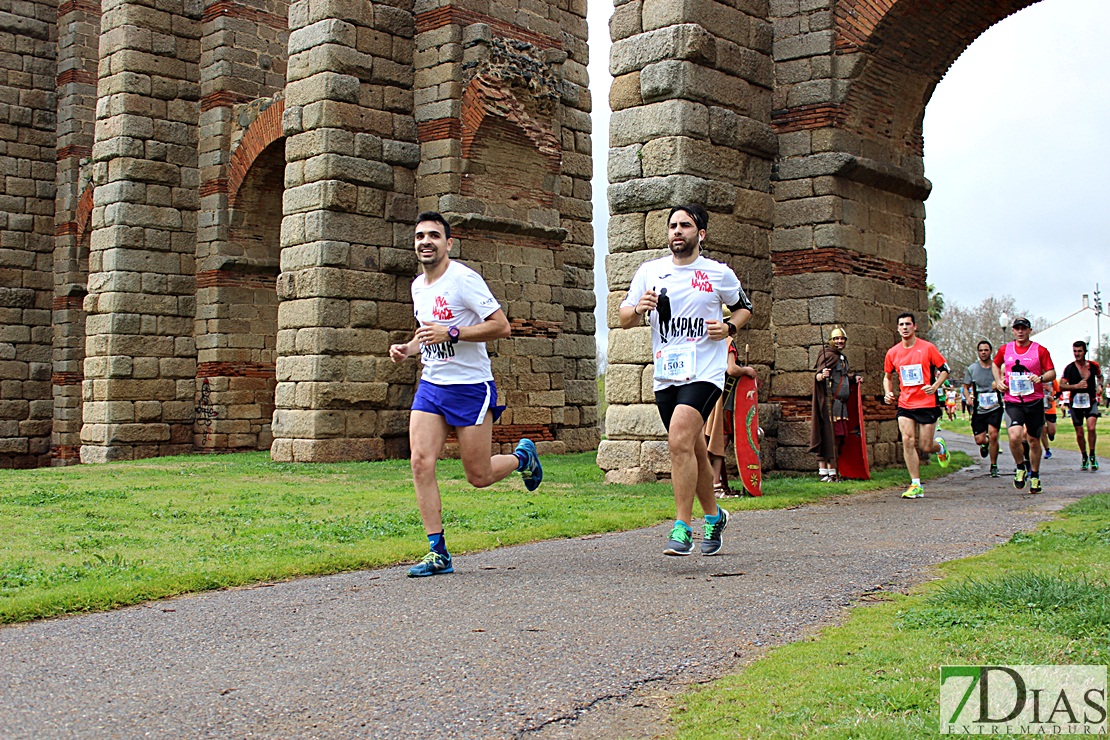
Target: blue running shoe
{"x":532,"y":472}
{"x":1047,"y":454}
{"x":433,"y":564}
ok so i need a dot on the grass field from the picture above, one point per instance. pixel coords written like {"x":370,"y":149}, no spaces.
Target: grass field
{"x":98,"y":536}
{"x":1042,"y":598}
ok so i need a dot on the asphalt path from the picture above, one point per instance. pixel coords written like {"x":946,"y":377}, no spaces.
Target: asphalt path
{"x":552,"y":639}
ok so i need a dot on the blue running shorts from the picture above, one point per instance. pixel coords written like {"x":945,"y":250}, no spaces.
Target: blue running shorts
{"x":463,"y":405}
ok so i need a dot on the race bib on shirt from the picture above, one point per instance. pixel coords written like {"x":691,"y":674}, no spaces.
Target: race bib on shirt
{"x":988,"y":400}
{"x":912,"y":375}
{"x":675,"y":363}
{"x":1081,"y":401}
{"x":1021,"y":384}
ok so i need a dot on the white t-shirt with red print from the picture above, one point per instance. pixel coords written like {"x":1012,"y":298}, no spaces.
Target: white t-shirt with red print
{"x":690,"y":295}
{"x":460,"y":297}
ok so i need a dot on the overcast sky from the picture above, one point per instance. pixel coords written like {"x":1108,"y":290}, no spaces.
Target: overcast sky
{"x":1017,"y":146}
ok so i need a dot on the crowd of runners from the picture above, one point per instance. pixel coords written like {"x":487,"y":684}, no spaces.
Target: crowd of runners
{"x":693,"y":304}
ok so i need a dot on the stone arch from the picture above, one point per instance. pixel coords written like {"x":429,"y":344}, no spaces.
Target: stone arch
{"x":850,"y":191}
{"x":496,"y":129}
{"x":235,"y":391}
{"x":262,"y":132}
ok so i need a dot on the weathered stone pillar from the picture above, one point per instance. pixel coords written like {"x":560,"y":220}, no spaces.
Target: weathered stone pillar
{"x":503,"y":115}
{"x":27,"y":112}
{"x":351,"y":151}
{"x":79,"y":37}
{"x":849,"y":238}
{"x":691,"y":101}
{"x":242,"y":168}
{"x":140,"y":355}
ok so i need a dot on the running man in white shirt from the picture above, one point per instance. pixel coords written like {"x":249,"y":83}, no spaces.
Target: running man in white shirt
{"x":457,"y":315}
{"x":683,"y":295}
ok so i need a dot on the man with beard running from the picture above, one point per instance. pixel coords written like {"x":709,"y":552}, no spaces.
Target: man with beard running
{"x":986,"y":402}
{"x":1021,"y":368}
{"x":683,"y":296}
{"x":1084,"y":379}
{"x":457,"y":314}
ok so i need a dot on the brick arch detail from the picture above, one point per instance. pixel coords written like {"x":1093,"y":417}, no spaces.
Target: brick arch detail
{"x":484,"y":97}
{"x":263,"y":131}
{"x":909,"y":45}
{"x":84,"y":213}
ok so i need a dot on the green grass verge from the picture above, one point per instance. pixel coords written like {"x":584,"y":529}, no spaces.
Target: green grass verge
{"x":99,"y":536}
{"x":1041,"y":598}
{"x":1065,"y":433}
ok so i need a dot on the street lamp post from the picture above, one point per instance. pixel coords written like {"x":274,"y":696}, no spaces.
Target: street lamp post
{"x":1098,"y":325}
{"x":1004,"y":323}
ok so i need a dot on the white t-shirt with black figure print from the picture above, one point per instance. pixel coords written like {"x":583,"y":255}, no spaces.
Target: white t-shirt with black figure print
{"x":689,"y":296}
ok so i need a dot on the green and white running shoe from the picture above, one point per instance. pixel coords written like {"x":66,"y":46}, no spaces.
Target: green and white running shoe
{"x":711,"y":542}
{"x":942,"y":456}
{"x":681,"y":541}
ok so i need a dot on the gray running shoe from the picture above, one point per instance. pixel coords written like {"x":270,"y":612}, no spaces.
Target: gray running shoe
{"x":681,"y":542}
{"x":711,"y":542}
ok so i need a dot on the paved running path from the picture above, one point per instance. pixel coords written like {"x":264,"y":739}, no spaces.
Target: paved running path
{"x":517,"y":640}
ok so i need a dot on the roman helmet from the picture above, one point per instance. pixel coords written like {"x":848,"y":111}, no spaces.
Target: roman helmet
{"x":837,"y":332}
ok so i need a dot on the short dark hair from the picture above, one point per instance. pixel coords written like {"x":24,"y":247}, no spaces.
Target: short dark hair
{"x":907,"y":315}
{"x":986,"y":342}
{"x":1080,"y":343}
{"x":438,"y":218}
{"x":699,"y":214}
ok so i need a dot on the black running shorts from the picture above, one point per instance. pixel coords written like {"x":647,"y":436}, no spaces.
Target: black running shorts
{"x":1079,"y":416}
{"x":701,"y":395}
{"x":980,"y":422}
{"x":930,"y":415}
{"x":1029,"y":415}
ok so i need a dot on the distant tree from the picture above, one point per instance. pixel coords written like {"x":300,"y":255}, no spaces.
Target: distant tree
{"x":960,"y":329}
{"x":1103,"y":350}
{"x":936,"y":303}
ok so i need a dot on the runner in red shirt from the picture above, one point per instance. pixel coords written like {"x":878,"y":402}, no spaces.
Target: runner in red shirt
{"x":920,"y":369}
{"x":1021,"y":368}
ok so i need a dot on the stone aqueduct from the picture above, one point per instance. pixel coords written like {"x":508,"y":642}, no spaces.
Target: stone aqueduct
{"x":205,"y":238}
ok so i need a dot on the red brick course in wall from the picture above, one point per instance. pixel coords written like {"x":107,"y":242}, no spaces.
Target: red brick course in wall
{"x":263,"y":131}
{"x":801,"y":409}
{"x":89,"y":6}
{"x":74,"y":150}
{"x":223,"y":99}
{"x":536,"y":328}
{"x":236,"y":370}
{"x":848,"y":262}
{"x":232,"y":9}
{"x":512,"y":433}
{"x":236,"y":279}
{"x":805,"y":117}
{"x":453,"y":15}
{"x":71,"y":76}
{"x":440,"y":128}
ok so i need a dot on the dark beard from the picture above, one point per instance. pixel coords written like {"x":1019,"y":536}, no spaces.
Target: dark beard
{"x":685,"y":250}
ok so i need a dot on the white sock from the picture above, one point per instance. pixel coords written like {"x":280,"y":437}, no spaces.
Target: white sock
{"x":915,"y":481}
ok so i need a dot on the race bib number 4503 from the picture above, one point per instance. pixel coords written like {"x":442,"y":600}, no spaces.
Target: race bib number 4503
{"x":675,"y":363}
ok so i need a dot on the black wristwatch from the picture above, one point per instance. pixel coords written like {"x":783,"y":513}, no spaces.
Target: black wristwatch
{"x":453,"y":334}
{"x":731,"y":329}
